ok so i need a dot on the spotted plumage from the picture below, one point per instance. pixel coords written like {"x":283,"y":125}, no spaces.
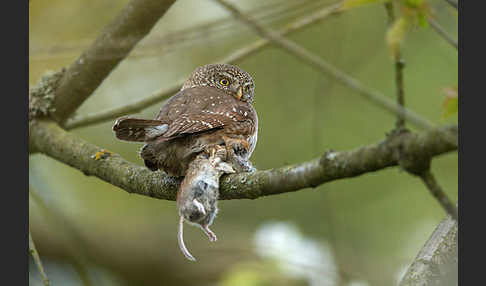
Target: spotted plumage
{"x":213,"y":108}
{"x":213,"y":104}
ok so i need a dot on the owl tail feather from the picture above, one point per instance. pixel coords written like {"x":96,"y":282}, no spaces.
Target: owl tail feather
{"x":138,"y":130}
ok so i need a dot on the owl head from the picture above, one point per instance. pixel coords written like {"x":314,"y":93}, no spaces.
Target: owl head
{"x":231,"y":79}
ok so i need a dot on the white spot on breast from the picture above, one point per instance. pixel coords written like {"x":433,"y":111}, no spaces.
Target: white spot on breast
{"x":234,"y":109}
{"x":245,"y":113}
{"x":212,"y":104}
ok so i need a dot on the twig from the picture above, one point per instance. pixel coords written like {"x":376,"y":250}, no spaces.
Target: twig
{"x":169,"y":91}
{"x":88,"y":71}
{"x":37,"y":260}
{"x":436,"y":263}
{"x":268,"y":13}
{"x":435,"y":189}
{"x":52,"y":140}
{"x":324,"y":67}
{"x":77,"y":247}
{"x":116,"y":112}
{"x":442,"y":32}
{"x":399,"y":65}
{"x":453,"y":3}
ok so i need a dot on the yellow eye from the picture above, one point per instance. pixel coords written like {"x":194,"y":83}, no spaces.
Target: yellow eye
{"x":224,"y":82}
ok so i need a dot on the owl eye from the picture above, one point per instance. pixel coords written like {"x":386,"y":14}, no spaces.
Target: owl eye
{"x":224,"y":82}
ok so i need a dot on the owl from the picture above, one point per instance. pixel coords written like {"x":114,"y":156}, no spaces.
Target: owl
{"x":212,"y":112}
{"x":213,"y":107}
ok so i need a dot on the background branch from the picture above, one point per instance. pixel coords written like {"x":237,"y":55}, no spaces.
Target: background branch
{"x":37,"y":260}
{"x":232,"y":58}
{"x":55,"y":142}
{"x":435,"y":189}
{"x":453,"y":3}
{"x":90,"y":69}
{"x":326,"y":68}
{"x":436,"y":263}
{"x":442,"y":32}
{"x":399,"y":65}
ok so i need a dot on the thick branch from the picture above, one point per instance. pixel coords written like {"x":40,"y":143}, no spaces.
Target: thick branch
{"x":117,"y":40}
{"x":55,"y":142}
{"x":442,"y":32}
{"x":437,"y":261}
{"x":37,"y":260}
{"x":165,"y":93}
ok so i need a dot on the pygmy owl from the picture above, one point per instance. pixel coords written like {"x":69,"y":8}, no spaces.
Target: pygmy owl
{"x":213,"y":107}
{"x":213,"y":110}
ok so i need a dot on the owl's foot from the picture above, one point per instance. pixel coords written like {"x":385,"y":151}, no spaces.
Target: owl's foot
{"x":236,"y":146}
{"x":217,"y":158}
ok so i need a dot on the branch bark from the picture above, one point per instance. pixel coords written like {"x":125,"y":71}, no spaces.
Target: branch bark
{"x":52,"y":140}
{"x":117,"y":40}
{"x":437,"y":262}
{"x":165,"y":93}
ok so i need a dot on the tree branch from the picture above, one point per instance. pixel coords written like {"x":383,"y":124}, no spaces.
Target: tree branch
{"x":442,"y":32}
{"x":165,"y":93}
{"x":399,"y":65}
{"x":37,"y":260}
{"x":90,"y":69}
{"x":436,"y":263}
{"x":55,"y":142}
{"x":326,"y":68}
{"x":453,"y":3}
{"x":435,"y":189}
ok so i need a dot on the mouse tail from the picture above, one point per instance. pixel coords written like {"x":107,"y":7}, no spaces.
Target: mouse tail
{"x":180,"y":239}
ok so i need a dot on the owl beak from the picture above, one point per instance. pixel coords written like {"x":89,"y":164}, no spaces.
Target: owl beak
{"x":240,"y":93}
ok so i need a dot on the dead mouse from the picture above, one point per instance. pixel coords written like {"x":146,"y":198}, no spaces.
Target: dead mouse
{"x":197,"y":198}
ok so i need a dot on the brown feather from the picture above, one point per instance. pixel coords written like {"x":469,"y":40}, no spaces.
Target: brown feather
{"x":138,"y":130}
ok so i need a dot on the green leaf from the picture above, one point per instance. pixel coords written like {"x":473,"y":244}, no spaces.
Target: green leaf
{"x":451,"y":102}
{"x":396,"y":35}
{"x":349,"y":4}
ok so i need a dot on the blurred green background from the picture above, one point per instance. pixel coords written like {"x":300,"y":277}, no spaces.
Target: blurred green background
{"x":359,"y":231}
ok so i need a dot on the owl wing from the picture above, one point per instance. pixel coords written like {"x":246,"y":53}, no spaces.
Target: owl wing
{"x":202,"y":109}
